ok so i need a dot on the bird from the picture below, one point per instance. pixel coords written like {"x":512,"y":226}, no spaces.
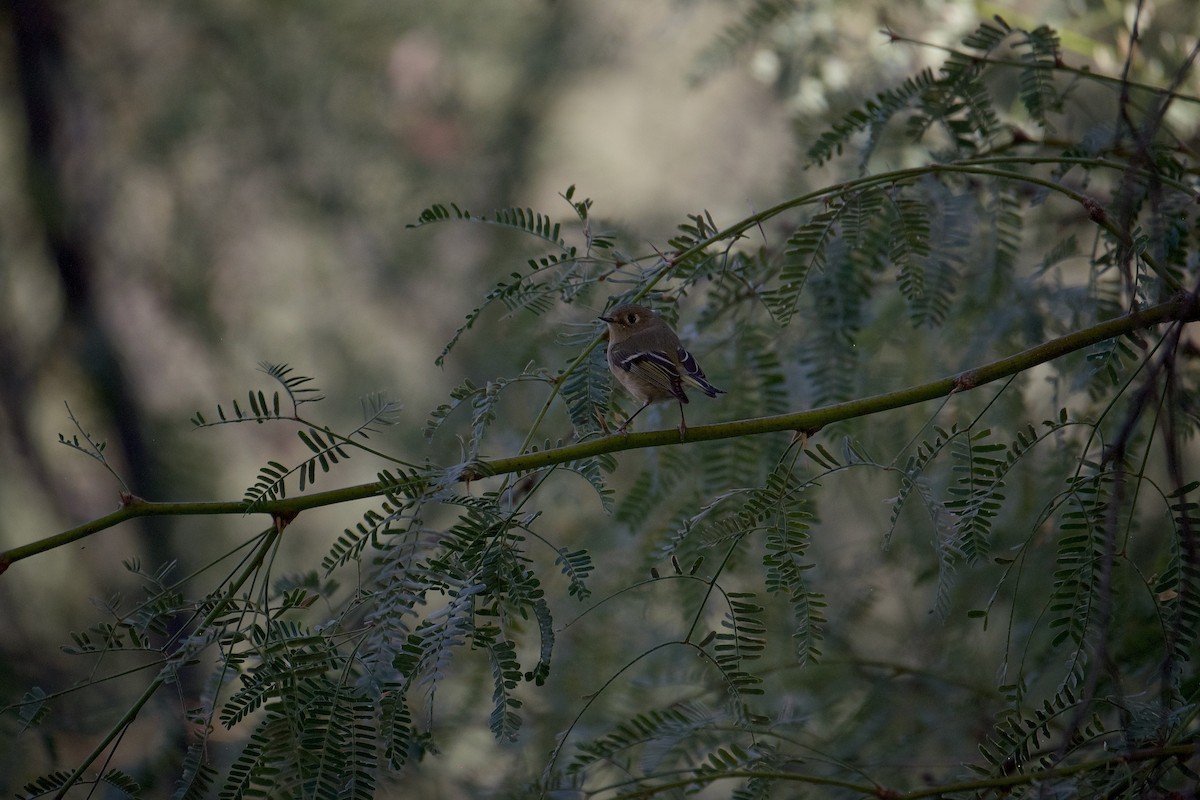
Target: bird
{"x":647,"y":358}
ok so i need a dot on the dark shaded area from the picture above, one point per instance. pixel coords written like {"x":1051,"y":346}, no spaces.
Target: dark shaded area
{"x":57,"y":151}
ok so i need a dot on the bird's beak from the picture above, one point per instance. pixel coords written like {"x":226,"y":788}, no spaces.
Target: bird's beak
{"x":604,"y":319}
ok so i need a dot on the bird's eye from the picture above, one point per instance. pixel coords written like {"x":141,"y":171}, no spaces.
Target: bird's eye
{"x":632,"y":318}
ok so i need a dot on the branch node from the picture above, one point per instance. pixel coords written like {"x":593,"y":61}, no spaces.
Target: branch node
{"x":129,"y":499}
{"x":1095,"y":211}
{"x":281,"y":519}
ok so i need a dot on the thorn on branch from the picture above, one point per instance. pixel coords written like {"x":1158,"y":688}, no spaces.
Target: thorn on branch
{"x":468,"y":472}
{"x":1095,"y":211}
{"x":281,"y":519}
{"x":128,"y":499}
{"x":1019,"y":136}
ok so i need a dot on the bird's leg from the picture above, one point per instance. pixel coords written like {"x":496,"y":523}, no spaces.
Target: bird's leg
{"x":623,"y":430}
{"x":682,"y":422}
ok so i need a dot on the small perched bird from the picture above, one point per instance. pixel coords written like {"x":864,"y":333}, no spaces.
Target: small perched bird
{"x":647,"y":359}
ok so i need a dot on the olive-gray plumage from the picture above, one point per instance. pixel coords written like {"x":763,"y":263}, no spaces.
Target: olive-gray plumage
{"x":647,"y":358}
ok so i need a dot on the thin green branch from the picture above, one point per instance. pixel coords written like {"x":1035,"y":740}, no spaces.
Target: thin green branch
{"x":131,"y":508}
{"x":1181,"y":309}
{"x":1121,"y":82}
{"x":979,"y":166}
{"x":975,"y":787}
{"x":94,"y":450}
{"x":131,"y":713}
{"x":712,"y":776}
{"x":1000,"y":783}
{"x":594,"y":696}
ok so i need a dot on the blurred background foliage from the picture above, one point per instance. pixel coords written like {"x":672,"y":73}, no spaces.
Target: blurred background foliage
{"x":197,"y":187}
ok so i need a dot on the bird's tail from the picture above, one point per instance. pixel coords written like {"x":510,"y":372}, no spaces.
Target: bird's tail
{"x":694,"y":376}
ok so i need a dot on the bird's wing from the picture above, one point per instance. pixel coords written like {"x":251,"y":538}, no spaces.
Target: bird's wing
{"x":656,"y":368}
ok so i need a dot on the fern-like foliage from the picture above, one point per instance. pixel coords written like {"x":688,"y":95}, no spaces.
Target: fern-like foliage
{"x":979,"y":490}
{"x":1179,"y":585}
{"x":734,"y":759}
{"x":755,"y":21}
{"x":871,"y":118}
{"x":1017,"y":738}
{"x":265,"y":763}
{"x":482,"y":401}
{"x":593,"y":470}
{"x":740,"y":640}
{"x":912,"y":473}
{"x":673,"y":735}
{"x":957,"y":100}
{"x":504,"y":721}
{"x":425,"y":656}
{"x":839,"y":295}
{"x":644,"y":501}
{"x":1040,"y":49}
{"x":780,"y":514}
{"x":374,"y":524}
{"x":260,"y":408}
{"x":687,"y":738}
{"x":561,"y":273}
{"x":576,"y":565}
{"x":786,"y":563}
{"x":1083,"y":548}
{"x":327,"y":447}
{"x":587,"y":392}
{"x":59,"y":781}
{"x":806,"y":251}
{"x":197,"y":776}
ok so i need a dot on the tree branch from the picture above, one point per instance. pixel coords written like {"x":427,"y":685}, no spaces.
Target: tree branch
{"x":1182,"y":309}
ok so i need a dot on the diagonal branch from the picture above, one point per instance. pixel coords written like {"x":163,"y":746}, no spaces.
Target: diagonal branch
{"x":1182,"y":309}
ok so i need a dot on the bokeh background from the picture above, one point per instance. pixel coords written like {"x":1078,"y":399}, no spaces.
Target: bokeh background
{"x":192,"y":188}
